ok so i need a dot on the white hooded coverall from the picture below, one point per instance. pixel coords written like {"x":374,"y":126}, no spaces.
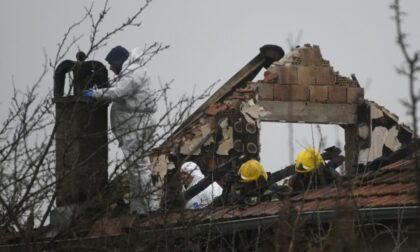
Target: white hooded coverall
{"x":205,"y":197}
{"x":133,"y":105}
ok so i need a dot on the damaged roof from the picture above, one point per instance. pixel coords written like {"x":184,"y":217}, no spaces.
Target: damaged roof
{"x":296,"y":79}
{"x":386,"y":193}
{"x":391,"y":186}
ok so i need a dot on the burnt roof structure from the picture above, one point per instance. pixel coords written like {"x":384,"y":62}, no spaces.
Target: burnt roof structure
{"x":301,"y":87}
{"x":376,"y":196}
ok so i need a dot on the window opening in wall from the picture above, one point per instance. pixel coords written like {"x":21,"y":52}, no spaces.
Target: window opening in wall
{"x":275,"y":145}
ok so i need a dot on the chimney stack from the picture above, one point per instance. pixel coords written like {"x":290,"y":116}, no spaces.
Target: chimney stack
{"x":81,"y":135}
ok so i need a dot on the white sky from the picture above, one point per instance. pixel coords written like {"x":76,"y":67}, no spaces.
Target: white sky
{"x":211,"y":40}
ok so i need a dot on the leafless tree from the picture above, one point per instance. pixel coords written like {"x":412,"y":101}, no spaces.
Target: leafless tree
{"x":27,"y":146}
{"x":409,"y":69}
{"x":27,"y":150}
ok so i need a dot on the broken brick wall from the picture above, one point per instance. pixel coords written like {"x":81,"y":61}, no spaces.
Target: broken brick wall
{"x":303,"y":75}
{"x":304,"y":87}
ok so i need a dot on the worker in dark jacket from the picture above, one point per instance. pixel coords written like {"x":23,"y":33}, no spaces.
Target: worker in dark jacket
{"x":311,"y":171}
{"x":255,"y":183}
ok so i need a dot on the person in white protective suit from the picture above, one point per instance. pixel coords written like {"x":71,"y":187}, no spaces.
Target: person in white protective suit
{"x":132,"y":110}
{"x":191,"y":175}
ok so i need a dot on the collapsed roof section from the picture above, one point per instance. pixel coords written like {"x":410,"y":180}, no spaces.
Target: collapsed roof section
{"x":300,"y":87}
{"x":210,"y":128}
{"x":376,"y":196}
{"x":391,"y":188}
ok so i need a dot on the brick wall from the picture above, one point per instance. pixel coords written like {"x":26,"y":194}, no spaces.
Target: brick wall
{"x":303,"y":75}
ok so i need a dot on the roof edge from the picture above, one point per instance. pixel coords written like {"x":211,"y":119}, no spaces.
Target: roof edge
{"x":229,"y":226}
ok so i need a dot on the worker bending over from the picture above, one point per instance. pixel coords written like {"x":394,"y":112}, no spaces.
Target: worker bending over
{"x":311,"y":171}
{"x":255,"y":184}
{"x":191,"y":175}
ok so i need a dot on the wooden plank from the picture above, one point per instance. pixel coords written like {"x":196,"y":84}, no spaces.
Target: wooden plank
{"x":267,"y":55}
{"x":309,"y":112}
{"x":351,"y":148}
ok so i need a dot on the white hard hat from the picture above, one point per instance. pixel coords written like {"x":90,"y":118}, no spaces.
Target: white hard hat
{"x":189,"y":167}
{"x":193,"y":169}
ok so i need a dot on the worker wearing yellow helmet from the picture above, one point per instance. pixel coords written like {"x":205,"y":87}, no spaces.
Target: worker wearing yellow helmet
{"x":308,"y":160}
{"x":311,"y":171}
{"x":255,"y":183}
{"x":252,"y":182}
{"x":252,"y":171}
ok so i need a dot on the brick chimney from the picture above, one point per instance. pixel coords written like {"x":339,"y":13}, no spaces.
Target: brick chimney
{"x":81,"y":134}
{"x":81,"y":150}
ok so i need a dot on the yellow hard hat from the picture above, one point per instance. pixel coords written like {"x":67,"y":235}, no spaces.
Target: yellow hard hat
{"x":308,"y":160}
{"x":251,"y":170}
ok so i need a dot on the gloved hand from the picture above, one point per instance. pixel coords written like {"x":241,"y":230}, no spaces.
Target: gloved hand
{"x":87,"y":93}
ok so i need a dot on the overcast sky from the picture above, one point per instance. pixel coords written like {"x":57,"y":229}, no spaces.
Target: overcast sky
{"x":211,"y":40}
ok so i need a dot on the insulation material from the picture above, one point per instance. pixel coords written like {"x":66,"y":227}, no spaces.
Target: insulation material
{"x":375,"y":112}
{"x":224,"y":123}
{"x":369,"y":154}
{"x":363,"y":131}
{"x":378,"y":111}
{"x":391,"y":140}
{"x":227,"y":143}
{"x":250,"y":111}
{"x":386,"y":134}
{"x":202,"y":137}
{"x":206,"y":131}
{"x":188,"y":147}
{"x":380,"y":137}
{"x":159,"y":164}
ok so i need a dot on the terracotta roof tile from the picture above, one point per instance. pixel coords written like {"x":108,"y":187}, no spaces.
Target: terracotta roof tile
{"x":391,"y":201}
{"x":399,"y":165}
{"x":390,"y":186}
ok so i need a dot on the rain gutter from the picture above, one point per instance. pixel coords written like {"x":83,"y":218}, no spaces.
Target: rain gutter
{"x":226,"y":227}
